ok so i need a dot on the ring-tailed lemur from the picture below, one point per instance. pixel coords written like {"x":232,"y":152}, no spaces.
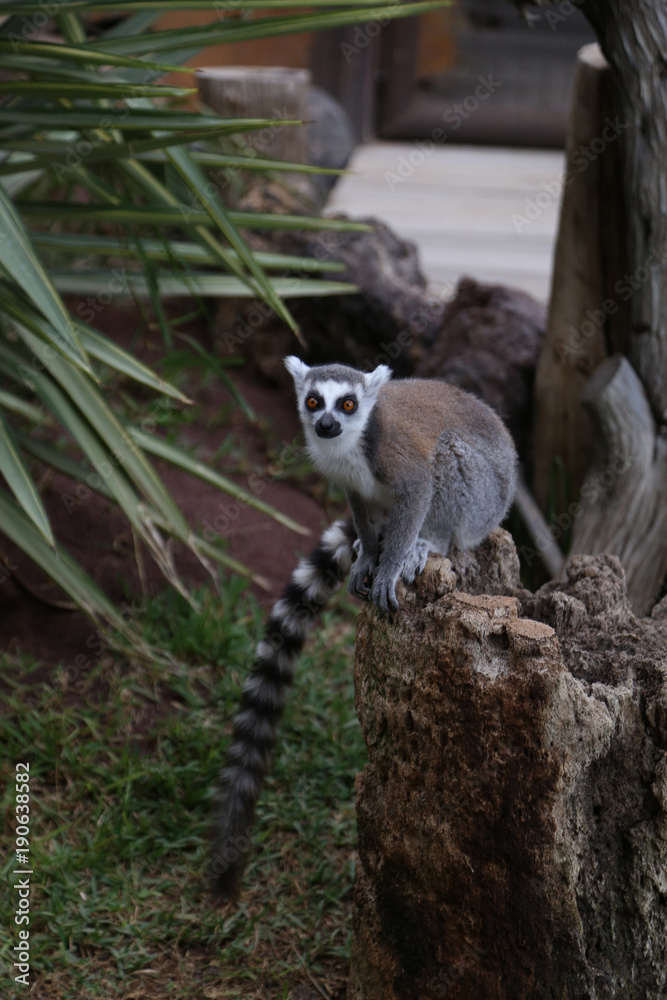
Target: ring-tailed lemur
{"x":424,"y":466}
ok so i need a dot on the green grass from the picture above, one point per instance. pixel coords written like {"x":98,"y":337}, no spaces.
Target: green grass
{"x":123,"y":759}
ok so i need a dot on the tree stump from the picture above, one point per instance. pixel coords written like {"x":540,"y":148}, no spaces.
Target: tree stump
{"x":261,"y":92}
{"x":513,"y":814}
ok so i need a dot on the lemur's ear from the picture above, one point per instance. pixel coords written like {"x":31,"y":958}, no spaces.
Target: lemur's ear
{"x":378,"y":377}
{"x":297,"y":369}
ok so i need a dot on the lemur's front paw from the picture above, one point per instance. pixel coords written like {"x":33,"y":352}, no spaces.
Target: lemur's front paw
{"x":383,"y":594}
{"x":361,"y":577}
{"x":415,"y":560}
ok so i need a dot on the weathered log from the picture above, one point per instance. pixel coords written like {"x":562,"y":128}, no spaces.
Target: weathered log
{"x":513,"y":814}
{"x":587,"y":318}
{"x":624,"y":487}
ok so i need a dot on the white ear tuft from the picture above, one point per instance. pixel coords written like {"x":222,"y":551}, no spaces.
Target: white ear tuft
{"x":378,"y":377}
{"x":297,"y":369}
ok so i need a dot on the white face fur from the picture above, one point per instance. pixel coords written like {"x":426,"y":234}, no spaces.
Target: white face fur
{"x":334,"y":404}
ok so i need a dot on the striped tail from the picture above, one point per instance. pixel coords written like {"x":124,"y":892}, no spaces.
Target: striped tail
{"x":315,"y":580}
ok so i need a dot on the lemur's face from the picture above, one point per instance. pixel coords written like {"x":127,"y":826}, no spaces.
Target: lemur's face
{"x":335,"y":399}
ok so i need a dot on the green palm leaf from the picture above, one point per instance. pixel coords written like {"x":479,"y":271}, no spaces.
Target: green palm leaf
{"x":57,"y":564}
{"x":21,"y":482}
{"x":270,"y":27}
{"x":181,"y":215}
{"x":66,"y":136}
{"x":170,"y":250}
{"x":198,"y":284}
{"x":83,"y":54}
{"x":20,"y":261}
{"x":129,"y":119}
{"x":55,"y":90}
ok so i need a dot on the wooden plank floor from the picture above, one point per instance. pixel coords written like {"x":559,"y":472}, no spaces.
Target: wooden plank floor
{"x":466,"y":207}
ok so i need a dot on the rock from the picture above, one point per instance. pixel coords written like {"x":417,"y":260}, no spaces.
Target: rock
{"x":380,"y":325}
{"x":489,"y":343}
{"x":330,"y":138}
{"x":513,"y":814}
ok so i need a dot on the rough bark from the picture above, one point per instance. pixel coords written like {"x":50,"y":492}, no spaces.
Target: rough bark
{"x":513,"y":814}
{"x":588,"y":262}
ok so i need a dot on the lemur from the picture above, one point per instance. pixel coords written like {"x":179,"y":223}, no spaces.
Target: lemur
{"x":424,"y":466}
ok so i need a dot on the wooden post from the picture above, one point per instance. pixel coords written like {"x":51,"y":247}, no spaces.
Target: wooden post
{"x":261,"y":92}
{"x":588,"y":319}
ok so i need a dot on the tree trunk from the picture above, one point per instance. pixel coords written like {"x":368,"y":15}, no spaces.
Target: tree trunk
{"x":633,"y":38}
{"x":512,"y":816}
{"x":589,"y":260}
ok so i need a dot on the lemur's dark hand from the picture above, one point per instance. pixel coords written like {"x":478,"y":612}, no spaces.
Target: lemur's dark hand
{"x":383,"y":593}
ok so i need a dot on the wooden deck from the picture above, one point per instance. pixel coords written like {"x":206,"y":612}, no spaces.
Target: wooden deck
{"x":463,"y":206}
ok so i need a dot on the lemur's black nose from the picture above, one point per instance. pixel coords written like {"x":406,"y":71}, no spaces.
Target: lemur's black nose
{"x":327,"y":427}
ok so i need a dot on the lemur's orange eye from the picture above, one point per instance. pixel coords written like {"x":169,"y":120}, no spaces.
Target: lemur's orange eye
{"x":312,"y":402}
{"x":349,"y":405}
